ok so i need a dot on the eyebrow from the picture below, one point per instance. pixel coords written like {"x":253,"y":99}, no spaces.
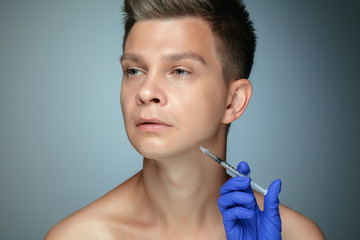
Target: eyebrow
{"x":130,"y":57}
{"x":172,"y":57}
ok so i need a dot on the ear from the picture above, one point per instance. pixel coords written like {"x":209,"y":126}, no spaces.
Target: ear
{"x":239,"y":96}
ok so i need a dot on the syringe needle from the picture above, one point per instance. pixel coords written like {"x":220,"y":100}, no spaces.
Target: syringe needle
{"x":231,"y":169}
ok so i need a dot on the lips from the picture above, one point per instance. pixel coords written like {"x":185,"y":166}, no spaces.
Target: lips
{"x":150,"y":121}
{"x":151,"y":124}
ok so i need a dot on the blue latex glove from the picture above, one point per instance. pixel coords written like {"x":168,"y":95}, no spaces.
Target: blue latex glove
{"x":242,"y":217}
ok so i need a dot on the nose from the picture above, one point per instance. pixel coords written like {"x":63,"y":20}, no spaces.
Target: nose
{"x":151,"y":91}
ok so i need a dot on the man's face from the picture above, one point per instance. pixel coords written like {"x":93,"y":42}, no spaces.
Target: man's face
{"x":173,"y":95}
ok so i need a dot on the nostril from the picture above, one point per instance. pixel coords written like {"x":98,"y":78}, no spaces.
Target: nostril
{"x":144,"y":99}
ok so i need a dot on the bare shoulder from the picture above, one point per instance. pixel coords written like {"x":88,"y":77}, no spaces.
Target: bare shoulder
{"x":95,"y":221}
{"x":294,"y":224}
{"x":74,"y":226}
{"x":297,"y":226}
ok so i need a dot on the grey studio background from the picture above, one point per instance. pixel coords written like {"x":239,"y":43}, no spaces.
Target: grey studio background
{"x":62,"y":139}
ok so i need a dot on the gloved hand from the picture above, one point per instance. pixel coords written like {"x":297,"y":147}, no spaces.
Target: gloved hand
{"x":242,"y":217}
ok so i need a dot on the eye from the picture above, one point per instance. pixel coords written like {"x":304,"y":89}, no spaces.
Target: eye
{"x":133,"y":71}
{"x":181,"y":72}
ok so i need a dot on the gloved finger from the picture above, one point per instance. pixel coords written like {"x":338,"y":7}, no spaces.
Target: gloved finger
{"x":234,"y":199}
{"x":236,"y":213}
{"x":271,"y":200}
{"x":231,"y":215}
{"x":243,"y":168}
{"x":235,"y":184}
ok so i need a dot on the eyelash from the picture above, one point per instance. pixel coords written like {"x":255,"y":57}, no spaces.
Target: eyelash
{"x":184,"y":72}
{"x":179,"y":72}
{"x":130,"y":71}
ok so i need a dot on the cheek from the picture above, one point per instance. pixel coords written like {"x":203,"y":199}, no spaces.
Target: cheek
{"x":123,"y":106}
{"x":125,"y":99}
{"x":126,"y":108}
{"x":122,"y":96}
{"x":204,"y":110}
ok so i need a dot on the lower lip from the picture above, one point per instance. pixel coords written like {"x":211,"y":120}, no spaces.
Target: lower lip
{"x":153,"y":127}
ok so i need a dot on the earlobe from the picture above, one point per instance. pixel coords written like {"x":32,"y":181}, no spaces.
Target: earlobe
{"x":239,"y":96}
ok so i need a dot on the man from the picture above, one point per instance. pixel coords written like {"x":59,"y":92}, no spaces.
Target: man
{"x":186,"y":66}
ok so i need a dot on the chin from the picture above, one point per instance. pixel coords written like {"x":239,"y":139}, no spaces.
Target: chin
{"x":152,"y":149}
{"x":155,"y":153}
{"x":161,"y":151}
{"x":157,"y":146}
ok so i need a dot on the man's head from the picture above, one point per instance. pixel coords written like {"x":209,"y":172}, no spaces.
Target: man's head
{"x":228,"y":19}
{"x":173,"y":95}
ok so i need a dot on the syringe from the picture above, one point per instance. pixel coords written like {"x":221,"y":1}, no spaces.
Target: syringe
{"x":231,"y":169}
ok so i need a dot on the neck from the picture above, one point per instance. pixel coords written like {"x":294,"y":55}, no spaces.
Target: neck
{"x":184,"y":190}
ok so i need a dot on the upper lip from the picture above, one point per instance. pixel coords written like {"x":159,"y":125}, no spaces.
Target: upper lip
{"x":149,"y":121}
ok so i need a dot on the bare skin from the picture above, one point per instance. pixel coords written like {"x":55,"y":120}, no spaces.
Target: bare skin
{"x":174,"y":100}
{"x":124,"y":214}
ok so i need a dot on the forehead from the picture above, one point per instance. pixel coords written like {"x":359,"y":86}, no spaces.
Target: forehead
{"x":164,"y":36}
